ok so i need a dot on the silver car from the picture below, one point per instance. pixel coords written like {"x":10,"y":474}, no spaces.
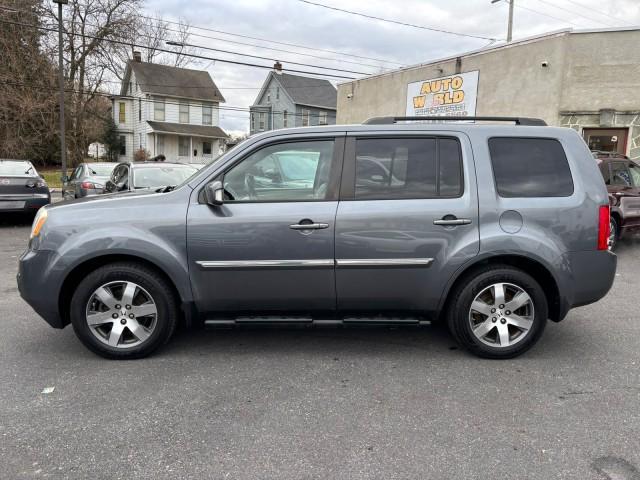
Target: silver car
{"x":492,"y":229}
{"x":88,"y":179}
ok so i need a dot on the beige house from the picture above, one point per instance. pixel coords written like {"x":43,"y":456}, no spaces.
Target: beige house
{"x":588,"y":80}
{"x":170,"y":111}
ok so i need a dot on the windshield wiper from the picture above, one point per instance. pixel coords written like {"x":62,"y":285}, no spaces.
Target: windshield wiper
{"x":166,"y":189}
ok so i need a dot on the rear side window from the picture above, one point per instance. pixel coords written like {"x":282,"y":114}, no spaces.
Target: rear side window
{"x":530,"y":167}
{"x":402,"y":168}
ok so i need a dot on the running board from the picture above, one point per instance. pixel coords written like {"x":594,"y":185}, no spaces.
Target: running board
{"x":303,"y":320}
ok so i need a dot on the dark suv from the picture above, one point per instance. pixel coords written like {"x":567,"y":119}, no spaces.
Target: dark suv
{"x":491,"y":228}
{"x":622,"y":177}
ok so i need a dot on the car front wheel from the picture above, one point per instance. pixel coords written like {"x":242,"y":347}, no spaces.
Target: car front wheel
{"x":123,"y":311}
{"x":500,"y":312}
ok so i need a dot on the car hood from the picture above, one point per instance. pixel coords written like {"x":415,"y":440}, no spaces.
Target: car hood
{"x":95,"y":198}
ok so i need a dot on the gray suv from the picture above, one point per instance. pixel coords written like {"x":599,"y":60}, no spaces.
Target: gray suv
{"x":491,"y":228}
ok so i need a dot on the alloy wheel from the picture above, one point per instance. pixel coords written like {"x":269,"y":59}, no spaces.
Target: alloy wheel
{"x":501,"y":315}
{"x":121,"y":314}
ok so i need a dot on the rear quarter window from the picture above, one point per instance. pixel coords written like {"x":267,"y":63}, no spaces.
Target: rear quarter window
{"x":530,"y":167}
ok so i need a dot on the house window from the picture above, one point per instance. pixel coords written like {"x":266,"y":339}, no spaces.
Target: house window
{"x":139,"y":140}
{"x":160,"y":141}
{"x":277,"y":93}
{"x":207,"y":111}
{"x":158,"y":110}
{"x":184,"y":113}
{"x":322,"y":120}
{"x":139,"y":109}
{"x":123,"y":145}
{"x":130,"y":87}
{"x":206,"y":148}
{"x":262,"y":120}
{"x":285,"y":119}
{"x":183,"y":146}
{"x":268,"y":97}
{"x":305,"y":118}
{"x":253,"y":121}
{"x":121,"y":112}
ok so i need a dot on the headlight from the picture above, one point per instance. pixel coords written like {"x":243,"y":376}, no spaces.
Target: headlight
{"x":38,"y":222}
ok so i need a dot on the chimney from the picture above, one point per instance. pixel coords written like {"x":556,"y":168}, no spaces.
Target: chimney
{"x":137,"y":57}
{"x":277,"y":67}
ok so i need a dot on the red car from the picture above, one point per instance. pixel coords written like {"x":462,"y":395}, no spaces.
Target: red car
{"x":622,"y":177}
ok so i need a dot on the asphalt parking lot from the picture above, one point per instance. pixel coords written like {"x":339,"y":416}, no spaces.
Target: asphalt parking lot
{"x":323,"y":403}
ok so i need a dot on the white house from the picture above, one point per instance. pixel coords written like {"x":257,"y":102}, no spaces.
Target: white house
{"x":170,"y":111}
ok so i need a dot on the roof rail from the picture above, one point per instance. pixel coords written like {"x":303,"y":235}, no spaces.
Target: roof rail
{"x":517,"y":120}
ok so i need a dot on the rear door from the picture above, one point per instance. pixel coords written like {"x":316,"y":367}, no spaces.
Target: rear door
{"x":407,"y":219}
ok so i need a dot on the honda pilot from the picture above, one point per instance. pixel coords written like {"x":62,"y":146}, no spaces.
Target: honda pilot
{"x":492,"y":228}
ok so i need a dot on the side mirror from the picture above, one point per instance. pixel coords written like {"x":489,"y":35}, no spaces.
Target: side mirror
{"x":214,"y":193}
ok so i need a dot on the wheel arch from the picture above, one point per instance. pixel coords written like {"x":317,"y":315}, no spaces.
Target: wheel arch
{"x":540,"y":272}
{"x":81,"y":270}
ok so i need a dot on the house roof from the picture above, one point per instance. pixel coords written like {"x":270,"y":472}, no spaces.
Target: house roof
{"x":309,"y":91}
{"x":208,"y":131}
{"x":172,"y":81}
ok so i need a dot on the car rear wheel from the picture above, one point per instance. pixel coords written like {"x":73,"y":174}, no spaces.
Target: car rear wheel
{"x":499,"y":312}
{"x":123,"y":310}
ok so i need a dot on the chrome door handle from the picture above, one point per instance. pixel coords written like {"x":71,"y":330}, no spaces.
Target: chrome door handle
{"x":452,"y":222}
{"x":309,"y":226}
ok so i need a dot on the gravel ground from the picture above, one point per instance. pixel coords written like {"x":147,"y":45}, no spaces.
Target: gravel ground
{"x":354,"y":403}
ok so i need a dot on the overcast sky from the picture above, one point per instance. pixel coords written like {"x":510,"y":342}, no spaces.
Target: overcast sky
{"x":295,"y":22}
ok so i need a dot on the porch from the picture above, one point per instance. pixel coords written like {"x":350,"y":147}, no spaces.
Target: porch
{"x":185,"y":143}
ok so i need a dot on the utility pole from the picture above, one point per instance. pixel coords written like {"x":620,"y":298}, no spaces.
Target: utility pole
{"x":510,"y":24}
{"x":63,"y":145}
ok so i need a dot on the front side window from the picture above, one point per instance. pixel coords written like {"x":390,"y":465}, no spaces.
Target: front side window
{"x":183,"y":146}
{"x":207,"y":111}
{"x":297,"y":171}
{"x":530,"y":167}
{"x":184,"y":113}
{"x":159,"y":110}
{"x":402,"y":168}
{"x":122,"y":111}
{"x":305,"y":118}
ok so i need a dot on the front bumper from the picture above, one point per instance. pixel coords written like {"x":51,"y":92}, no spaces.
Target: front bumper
{"x":38,"y":286}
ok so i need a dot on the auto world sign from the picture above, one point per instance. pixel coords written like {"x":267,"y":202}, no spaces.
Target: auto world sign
{"x":454,"y":95}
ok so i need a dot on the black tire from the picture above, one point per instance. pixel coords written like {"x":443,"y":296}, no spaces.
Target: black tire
{"x":615,"y":232}
{"x":464,"y":294}
{"x":152,"y":282}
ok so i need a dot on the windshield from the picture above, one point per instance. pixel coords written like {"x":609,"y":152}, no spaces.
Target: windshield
{"x":634,"y":168}
{"x":162,"y":175}
{"x":101,"y":169}
{"x":16,"y":169}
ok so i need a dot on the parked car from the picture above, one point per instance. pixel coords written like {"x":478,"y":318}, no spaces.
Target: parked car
{"x":88,"y":179}
{"x":21,"y":188}
{"x":150,"y":175}
{"x":491,"y":228}
{"x":622,"y":177}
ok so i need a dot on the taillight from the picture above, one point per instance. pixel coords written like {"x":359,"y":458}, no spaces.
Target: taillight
{"x":604,"y":227}
{"x":91,"y":186}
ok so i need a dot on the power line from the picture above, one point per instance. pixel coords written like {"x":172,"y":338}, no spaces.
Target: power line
{"x":599,"y":12}
{"x":517,"y":5}
{"x":573,"y":12}
{"x":235,"y":42}
{"x":397,"y":22}
{"x":192,"y":55}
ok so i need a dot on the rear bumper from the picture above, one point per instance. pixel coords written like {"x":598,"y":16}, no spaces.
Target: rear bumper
{"x":592,"y":275}
{"x":29,"y":203}
{"x":37,"y":287}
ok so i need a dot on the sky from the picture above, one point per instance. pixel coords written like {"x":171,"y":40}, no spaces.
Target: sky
{"x":386,"y":45}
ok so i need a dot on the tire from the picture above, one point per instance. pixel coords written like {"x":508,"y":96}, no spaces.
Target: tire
{"x":140,"y":328}
{"x":615,"y":232}
{"x":472,"y":312}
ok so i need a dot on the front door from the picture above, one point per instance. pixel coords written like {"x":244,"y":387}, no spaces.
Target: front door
{"x":270,"y":246}
{"x":407,"y":220}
